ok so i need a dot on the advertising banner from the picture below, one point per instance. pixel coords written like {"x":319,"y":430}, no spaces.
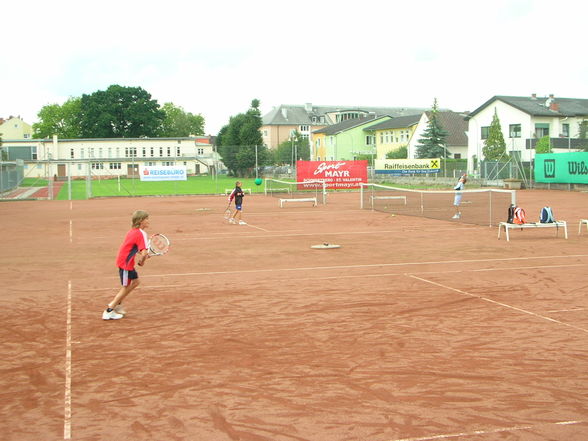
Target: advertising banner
{"x":407,"y":166}
{"x":337,"y":174}
{"x":565,"y":168}
{"x":163,"y":173}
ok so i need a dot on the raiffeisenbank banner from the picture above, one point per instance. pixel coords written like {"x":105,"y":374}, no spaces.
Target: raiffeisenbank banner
{"x":407,"y":166}
{"x":565,"y":168}
{"x":337,"y":174}
{"x":162,"y":173}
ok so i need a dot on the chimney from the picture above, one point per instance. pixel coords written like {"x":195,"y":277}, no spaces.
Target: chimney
{"x":285,"y":113}
{"x":553,"y":105}
{"x":533,"y":96}
{"x":308,"y":107}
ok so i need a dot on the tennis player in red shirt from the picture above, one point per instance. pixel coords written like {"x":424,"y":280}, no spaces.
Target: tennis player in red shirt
{"x":133,"y":250}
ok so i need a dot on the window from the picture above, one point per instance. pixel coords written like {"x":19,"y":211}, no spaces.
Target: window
{"x":34,"y":153}
{"x":541,"y":130}
{"x":169,"y":151}
{"x":565,"y":130}
{"x":200,"y":151}
{"x":72,"y":153}
{"x":97,"y":166}
{"x":152,"y":152}
{"x":144,"y":152}
{"x":484,"y":132}
{"x":110,"y":152}
{"x":457,"y":155}
{"x":304,"y":128}
{"x":161,"y":152}
{"x":115,"y":166}
{"x":100,"y":152}
{"x":514,"y":131}
{"x":168,"y":163}
{"x":26,"y":136}
{"x":151,"y":164}
{"x":130,"y":152}
{"x":91,"y":152}
{"x":178,"y":151}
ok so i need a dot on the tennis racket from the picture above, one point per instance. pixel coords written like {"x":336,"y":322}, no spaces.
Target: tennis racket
{"x":228,"y":212}
{"x":158,"y":245}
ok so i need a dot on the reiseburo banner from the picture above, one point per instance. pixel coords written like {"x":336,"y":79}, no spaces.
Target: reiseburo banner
{"x":162,"y":173}
{"x":565,"y":168}
{"x":337,"y":174}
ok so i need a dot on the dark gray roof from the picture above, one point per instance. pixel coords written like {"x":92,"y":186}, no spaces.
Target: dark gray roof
{"x":396,"y":123}
{"x":455,"y":125}
{"x":536,"y":106}
{"x":349,"y":124}
{"x":302,"y":114}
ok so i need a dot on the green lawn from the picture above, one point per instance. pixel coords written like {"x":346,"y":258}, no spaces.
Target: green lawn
{"x":135,"y":187}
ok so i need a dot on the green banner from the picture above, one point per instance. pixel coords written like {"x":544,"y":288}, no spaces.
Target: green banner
{"x":565,"y":168}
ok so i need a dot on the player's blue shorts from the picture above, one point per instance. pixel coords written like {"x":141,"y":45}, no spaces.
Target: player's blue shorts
{"x":126,"y":276}
{"x":238,"y":206}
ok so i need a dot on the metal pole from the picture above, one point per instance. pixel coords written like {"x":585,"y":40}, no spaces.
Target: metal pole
{"x":256,"y":161}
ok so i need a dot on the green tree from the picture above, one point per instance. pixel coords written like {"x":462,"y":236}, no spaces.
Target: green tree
{"x":400,"y":153}
{"x":178,"y":123}
{"x":543,"y":145}
{"x":120,"y":112}
{"x":239,"y":141}
{"x":63,"y":121}
{"x":293,"y":149}
{"x":432,"y":144}
{"x":494,"y":146}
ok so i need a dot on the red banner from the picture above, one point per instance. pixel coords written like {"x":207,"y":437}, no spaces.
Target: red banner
{"x":337,"y":174}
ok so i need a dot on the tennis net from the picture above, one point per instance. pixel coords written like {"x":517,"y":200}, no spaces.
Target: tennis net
{"x":296,"y":190}
{"x":480,"y":207}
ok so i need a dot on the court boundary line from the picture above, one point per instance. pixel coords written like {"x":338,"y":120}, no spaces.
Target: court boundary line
{"x":488,"y":431}
{"x":371,"y":265}
{"x":504,"y":305}
{"x":68,"y":368}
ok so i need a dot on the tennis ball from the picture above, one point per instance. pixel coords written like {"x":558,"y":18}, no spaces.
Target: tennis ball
{"x":258,"y":181}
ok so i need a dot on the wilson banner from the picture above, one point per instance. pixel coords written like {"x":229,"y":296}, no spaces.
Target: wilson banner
{"x":337,"y":174}
{"x":565,"y":168}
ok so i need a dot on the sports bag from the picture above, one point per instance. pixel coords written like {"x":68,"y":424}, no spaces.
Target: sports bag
{"x":519,"y":216}
{"x":511,"y":211}
{"x":546,"y":216}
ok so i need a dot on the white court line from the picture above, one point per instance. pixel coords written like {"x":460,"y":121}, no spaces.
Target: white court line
{"x":70,"y":231}
{"x":373,"y":265}
{"x":514,"y":308}
{"x":67,"y":398}
{"x":259,"y":228}
{"x":487,"y":431}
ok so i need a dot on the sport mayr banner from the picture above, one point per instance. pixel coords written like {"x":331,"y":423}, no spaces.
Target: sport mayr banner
{"x":337,"y":174}
{"x":407,"y":166}
{"x":163,"y":173}
{"x":565,"y":168}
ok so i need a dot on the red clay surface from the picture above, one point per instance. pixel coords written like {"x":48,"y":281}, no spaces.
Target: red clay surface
{"x":414,"y":329}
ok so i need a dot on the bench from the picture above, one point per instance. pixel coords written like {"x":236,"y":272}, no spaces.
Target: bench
{"x":245,"y":190}
{"x":556,"y":225}
{"x":313,"y":200}
{"x":582,"y":222}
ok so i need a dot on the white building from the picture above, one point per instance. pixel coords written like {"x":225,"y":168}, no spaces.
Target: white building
{"x":110,"y":157}
{"x":524,"y":120}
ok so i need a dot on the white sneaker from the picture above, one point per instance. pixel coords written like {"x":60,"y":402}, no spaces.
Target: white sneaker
{"x":242,"y":223}
{"x":112,"y":315}
{"x":120,"y":309}
{"x":456,"y":216}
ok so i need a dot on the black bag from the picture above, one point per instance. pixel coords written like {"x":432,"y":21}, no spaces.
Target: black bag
{"x":511,"y":211}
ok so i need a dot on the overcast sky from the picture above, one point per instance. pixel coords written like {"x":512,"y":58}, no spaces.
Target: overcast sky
{"x":214,"y":57}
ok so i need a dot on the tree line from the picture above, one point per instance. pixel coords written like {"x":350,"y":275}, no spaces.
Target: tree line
{"x":117,"y":112}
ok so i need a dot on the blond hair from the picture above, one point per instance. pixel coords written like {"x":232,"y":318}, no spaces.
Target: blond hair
{"x":138,"y":217}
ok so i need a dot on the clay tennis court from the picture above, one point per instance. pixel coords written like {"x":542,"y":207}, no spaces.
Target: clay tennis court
{"x":414,"y":329}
